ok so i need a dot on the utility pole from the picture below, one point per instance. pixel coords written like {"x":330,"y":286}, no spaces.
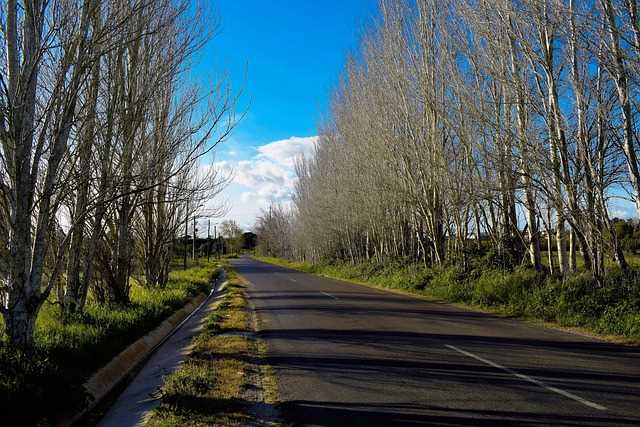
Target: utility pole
{"x":193,"y":244}
{"x":215,"y":236}
{"x":208,"y":238}
{"x":186,"y":232}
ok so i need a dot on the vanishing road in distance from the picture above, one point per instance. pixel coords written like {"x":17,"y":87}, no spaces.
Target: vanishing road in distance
{"x":345,"y":354}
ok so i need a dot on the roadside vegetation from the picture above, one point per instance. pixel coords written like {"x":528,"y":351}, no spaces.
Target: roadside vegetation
{"x":217,"y":384}
{"x":481,"y":152}
{"x":68,"y":350}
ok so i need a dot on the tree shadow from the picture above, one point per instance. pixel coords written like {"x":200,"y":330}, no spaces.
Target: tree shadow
{"x":367,"y":344}
{"x":301,"y":412}
{"x":368,"y":363}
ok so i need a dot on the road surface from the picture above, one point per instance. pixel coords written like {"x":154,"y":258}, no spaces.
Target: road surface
{"x":346,"y":354}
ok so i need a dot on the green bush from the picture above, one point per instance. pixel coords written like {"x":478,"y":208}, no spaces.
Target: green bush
{"x":543,"y":300}
{"x":621,"y":319}
{"x":508,"y":290}
{"x":611,"y":306}
{"x":498,"y":259}
{"x":450,"y":283}
{"x":412,"y":278}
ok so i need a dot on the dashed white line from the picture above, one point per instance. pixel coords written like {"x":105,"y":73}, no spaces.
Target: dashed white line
{"x":530,"y":379}
{"x":286,"y":276}
{"x":329,"y":295}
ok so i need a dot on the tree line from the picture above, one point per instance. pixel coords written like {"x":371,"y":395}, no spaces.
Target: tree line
{"x":473,"y":126}
{"x":101,"y":137}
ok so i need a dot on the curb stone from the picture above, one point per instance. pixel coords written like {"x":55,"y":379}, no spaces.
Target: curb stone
{"x":105,"y":379}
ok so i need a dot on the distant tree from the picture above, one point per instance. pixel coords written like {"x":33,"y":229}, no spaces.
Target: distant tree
{"x":274,"y":228}
{"x":233,"y":235}
{"x":249,"y":240}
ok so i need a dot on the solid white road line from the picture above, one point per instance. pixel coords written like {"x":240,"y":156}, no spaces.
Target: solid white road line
{"x":530,"y":379}
{"x":329,"y":295}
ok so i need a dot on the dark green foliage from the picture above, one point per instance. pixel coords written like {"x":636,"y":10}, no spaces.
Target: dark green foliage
{"x":496,"y":258}
{"x":249,"y":241}
{"x":628,"y":233}
{"x":611,"y":306}
{"x":23,"y":378}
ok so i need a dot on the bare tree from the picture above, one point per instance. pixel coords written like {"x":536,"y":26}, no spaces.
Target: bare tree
{"x":458,"y":122}
{"x":96,"y":125}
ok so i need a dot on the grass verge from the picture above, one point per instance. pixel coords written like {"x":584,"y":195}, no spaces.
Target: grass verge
{"x":215,"y":386}
{"x":609,"y":309}
{"x":68,"y":351}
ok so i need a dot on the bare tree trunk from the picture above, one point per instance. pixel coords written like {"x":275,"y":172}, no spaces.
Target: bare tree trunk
{"x":32,"y":202}
{"x":530,"y":206}
{"x":74,"y":295}
{"x":621,"y":79}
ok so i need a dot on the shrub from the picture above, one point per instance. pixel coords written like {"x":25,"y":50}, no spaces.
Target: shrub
{"x":581,"y":299}
{"x":498,"y":259}
{"x":543,"y":301}
{"x":450,"y":283}
{"x":510,"y":290}
{"x":621,"y":319}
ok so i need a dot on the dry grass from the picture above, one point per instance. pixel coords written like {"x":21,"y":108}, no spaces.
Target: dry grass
{"x":236,"y":316}
{"x":210,"y":389}
{"x":269,"y":383}
{"x":221,"y":345}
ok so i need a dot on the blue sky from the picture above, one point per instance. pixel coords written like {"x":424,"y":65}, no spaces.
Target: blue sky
{"x":286,"y":57}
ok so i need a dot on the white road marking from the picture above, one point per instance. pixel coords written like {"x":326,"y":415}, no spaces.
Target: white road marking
{"x":329,"y":295}
{"x":530,"y":379}
{"x":287,"y":277}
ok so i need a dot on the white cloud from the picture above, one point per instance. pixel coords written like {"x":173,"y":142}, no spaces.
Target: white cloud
{"x":267,"y":176}
{"x":622,"y":212}
{"x":622,"y":207}
{"x":286,"y":151}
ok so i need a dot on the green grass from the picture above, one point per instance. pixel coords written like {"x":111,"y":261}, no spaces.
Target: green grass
{"x":611,"y":307}
{"x":67,"y":352}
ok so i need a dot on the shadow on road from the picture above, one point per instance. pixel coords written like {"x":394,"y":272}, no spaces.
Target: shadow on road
{"x":349,"y":355}
{"x":361,"y":368}
{"x":352,"y":414}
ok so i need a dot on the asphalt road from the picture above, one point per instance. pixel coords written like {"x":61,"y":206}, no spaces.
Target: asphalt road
{"x":346,"y":354}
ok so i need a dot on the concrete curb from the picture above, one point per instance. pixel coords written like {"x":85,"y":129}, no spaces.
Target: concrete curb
{"x":103,"y":381}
